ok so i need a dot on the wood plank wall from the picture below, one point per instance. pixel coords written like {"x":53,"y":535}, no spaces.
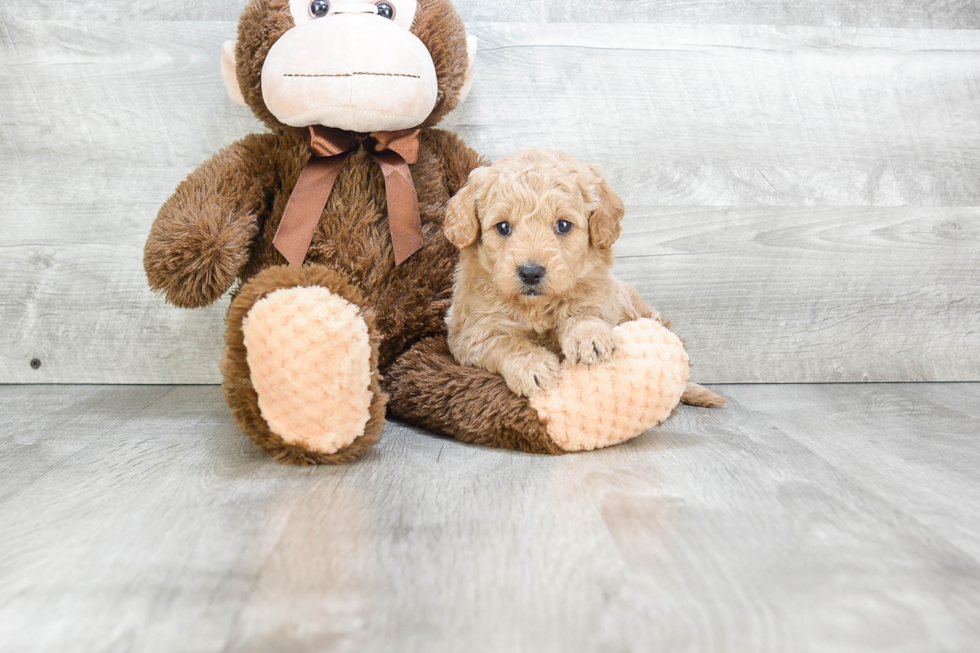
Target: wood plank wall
{"x":802,"y":176}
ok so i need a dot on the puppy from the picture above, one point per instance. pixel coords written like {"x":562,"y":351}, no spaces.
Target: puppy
{"x":534,"y":283}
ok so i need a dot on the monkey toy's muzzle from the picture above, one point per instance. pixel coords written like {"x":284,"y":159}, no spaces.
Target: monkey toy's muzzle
{"x":356,"y":72}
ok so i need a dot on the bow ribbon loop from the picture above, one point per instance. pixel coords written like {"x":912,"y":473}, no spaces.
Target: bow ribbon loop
{"x":326,"y":142}
{"x":405,"y":143}
{"x":393,"y":151}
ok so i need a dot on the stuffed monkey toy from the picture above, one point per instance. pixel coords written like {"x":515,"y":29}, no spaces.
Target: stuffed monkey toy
{"x":331,"y":224}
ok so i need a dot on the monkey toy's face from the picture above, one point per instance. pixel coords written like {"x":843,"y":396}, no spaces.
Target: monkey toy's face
{"x":357,"y":65}
{"x":352,"y":65}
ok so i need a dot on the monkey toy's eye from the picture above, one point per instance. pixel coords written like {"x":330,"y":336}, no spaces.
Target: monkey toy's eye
{"x":385,"y":10}
{"x":504,"y":229}
{"x":564,"y":227}
{"x":319,"y":8}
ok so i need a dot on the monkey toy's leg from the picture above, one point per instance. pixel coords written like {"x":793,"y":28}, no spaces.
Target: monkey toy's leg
{"x":301,"y":366}
{"x":429,"y":389}
{"x":590,"y":407}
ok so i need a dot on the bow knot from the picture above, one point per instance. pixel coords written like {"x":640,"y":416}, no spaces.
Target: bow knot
{"x":330,"y":148}
{"x":405,"y":143}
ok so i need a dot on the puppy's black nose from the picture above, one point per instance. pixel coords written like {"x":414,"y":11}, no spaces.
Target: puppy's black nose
{"x":531,"y":275}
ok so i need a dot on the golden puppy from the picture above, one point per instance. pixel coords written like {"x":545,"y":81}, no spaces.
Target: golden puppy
{"x":534,"y":281}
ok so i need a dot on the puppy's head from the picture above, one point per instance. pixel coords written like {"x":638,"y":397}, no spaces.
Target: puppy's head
{"x":538,"y":223}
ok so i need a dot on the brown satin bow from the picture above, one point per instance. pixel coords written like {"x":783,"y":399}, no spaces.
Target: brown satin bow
{"x":393,"y":151}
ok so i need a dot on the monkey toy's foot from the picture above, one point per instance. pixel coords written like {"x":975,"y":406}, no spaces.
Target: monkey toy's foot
{"x":300,"y":367}
{"x":597,"y":406}
{"x":590,"y":407}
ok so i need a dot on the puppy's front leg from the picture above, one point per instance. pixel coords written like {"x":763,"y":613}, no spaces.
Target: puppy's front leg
{"x":526,"y":367}
{"x":587,"y":340}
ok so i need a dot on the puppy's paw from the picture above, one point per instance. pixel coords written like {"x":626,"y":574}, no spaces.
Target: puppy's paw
{"x":529,"y":374}
{"x":589,"y":342}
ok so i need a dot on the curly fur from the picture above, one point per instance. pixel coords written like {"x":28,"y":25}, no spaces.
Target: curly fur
{"x":220,"y":223}
{"x":503,"y":325}
{"x":500,"y":323}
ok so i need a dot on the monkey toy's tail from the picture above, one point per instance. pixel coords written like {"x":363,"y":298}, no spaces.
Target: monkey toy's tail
{"x":696,"y":395}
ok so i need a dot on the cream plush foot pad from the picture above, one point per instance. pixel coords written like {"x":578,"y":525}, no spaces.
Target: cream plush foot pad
{"x":309,"y":353}
{"x":615,"y":401}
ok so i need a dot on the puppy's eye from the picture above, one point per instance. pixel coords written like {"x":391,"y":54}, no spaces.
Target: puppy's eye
{"x":564,"y":227}
{"x":319,"y":8}
{"x":385,"y":10}
{"x":504,"y":229}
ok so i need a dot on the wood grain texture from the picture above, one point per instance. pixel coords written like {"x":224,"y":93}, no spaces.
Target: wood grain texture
{"x":734,"y":116}
{"x":827,"y":13}
{"x":799,"y":198}
{"x":776,"y":295}
{"x":809,"y":519}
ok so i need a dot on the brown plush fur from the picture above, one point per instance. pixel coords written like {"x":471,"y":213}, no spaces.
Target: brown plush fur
{"x":696,"y":395}
{"x":241,"y":395}
{"x":437,"y":24}
{"x":220,"y":223}
{"x":203,"y":236}
{"x":431,"y":390}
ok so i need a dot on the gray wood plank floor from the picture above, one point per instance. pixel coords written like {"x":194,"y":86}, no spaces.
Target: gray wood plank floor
{"x":800,"y":518}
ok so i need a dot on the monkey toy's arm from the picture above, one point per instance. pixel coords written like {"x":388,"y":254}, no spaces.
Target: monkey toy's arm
{"x":202,"y":237}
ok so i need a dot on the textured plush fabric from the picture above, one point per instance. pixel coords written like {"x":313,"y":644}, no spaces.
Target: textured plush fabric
{"x":617,"y":400}
{"x":428,"y":388}
{"x":242,"y":396}
{"x":218,"y":229}
{"x":310,"y":355}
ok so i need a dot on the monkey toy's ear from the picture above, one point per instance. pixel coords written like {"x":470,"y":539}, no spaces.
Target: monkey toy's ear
{"x":462,"y":224}
{"x":229,"y":72}
{"x":471,"y":43}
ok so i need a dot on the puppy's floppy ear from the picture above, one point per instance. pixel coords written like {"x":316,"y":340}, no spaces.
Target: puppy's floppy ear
{"x":606,"y":221}
{"x":462,"y":225}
